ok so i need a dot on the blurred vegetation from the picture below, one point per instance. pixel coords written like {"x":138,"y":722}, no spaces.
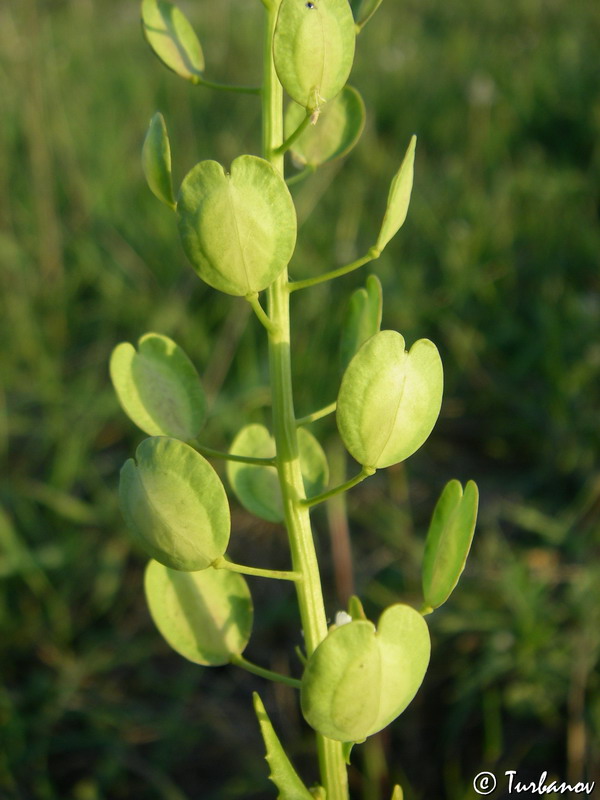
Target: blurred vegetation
{"x":498,"y":264}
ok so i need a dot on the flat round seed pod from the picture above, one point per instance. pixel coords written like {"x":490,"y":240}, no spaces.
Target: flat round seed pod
{"x":257,"y":488}
{"x":205,"y":616}
{"x":359,"y":679}
{"x":337,"y":130}
{"x":156,"y":160}
{"x":170,"y":35}
{"x":237,"y":229}
{"x":175,"y":504}
{"x":363,"y":10}
{"x":449,"y":541}
{"x":313,"y":49}
{"x":389,"y":399}
{"x":398,"y":197}
{"x":362,"y":320}
{"x":158,"y":387}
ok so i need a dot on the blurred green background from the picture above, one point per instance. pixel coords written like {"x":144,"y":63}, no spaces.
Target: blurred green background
{"x":497,"y":263}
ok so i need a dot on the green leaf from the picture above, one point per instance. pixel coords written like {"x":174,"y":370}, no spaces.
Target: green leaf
{"x":360,"y":679}
{"x":398,"y":198}
{"x":205,"y":616}
{"x":238,"y":229}
{"x":389,"y":399}
{"x":172,"y":38}
{"x":257,"y":488}
{"x":339,"y":127}
{"x":397,"y":794}
{"x":156,"y":160}
{"x":363,"y":319}
{"x":175,"y":504}
{"x":283,"y":774}
{"x":158,"y":387}
{"x":363,"y":10}
{"x":449,"y":541}
{"x":313,"y":49}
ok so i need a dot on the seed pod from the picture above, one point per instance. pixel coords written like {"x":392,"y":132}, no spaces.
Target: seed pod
{"x":398,"y":198}
{"x":158,"y":387}
{"x":313,"y":49}
{"x":170,"y":35}
{"x":359,"y":679}
{"x":205,"y":616}
{"x":238,"y":229}
{"x":340,"y":125}
{"x":363,"y":10}
{"x":175,"y":504}
{"x":448,"y":541}
{"x":156,"y":160}
{"x":256,"y":487}
{"x":362,"y":320}
{"x":389,"y":399}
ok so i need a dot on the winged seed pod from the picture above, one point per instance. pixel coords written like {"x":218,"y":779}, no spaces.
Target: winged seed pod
{"x":340,"y":125}
{"x":175,"y":504}
{"x":361,"y":678}
{"x":156,"y":160}
{"x":362,"y":320}
{"x":398,"y":198}
{"x":257,"y":487}
{"x":363,"y":10}
{"x":313,"y":49}
{"x":238,"y":229}
{"x":158,"y":387}
{"x":170,"y":35}
{"x":204,"y":616}
{"x":449,"y":541}
{"x":389,"y":399}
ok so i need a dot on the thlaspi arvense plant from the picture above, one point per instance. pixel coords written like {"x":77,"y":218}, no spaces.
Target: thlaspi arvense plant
{"x":238,"y":228}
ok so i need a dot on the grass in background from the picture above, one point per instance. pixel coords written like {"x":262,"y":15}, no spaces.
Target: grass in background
{"x":498,"y":263}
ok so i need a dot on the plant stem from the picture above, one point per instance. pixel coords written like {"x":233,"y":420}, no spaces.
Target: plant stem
{"x":283,"y":148}
{"x":372,"y":254}
{"x":242,"y":662}
{"x":322,"y":412}
{"x":304,"y":558}
{"x":259,"y":572}
{"x":261,"y":315}
{"x":226,"y":87}
{"x":343,"y":487}
{"x":309,"y":169}
{"x":211,"y":453}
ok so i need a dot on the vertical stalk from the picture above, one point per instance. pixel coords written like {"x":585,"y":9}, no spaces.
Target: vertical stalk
{"x":304,"y":558}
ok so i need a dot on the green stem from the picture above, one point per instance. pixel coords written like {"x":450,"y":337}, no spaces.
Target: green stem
{"x":242,"y":662}
{"x":335,"y":273}
{"x":226,"y":87}
{"x":322,"y":412}
{"x":302,"y":546}
{"x":283,"y":148}
{"x":343,"y":487}
{"x":210,"y":453}
{"x":262,"y":316}
{"x":277,"y":574}
{"x":309,"y":169}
